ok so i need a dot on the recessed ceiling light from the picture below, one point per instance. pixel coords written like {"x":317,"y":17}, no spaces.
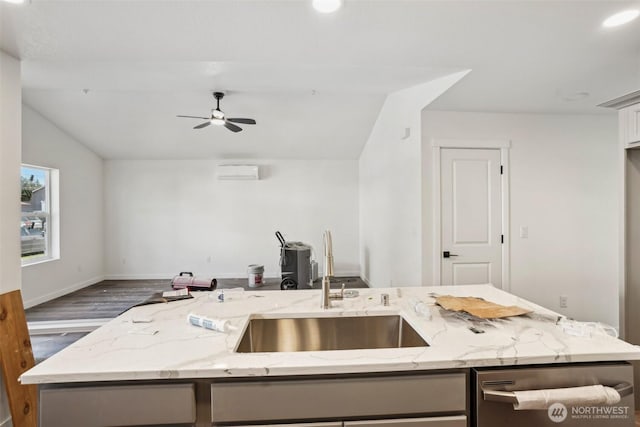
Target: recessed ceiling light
{"x":621,"y":18}
{"x":327,"y":6}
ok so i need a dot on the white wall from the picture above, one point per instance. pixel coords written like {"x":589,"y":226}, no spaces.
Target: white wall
{"x":563,"y":187}
{"x":163,"y":217}
{"x":81,"y":211}
{"x":390,"y":188}
{"x":10,"y":140}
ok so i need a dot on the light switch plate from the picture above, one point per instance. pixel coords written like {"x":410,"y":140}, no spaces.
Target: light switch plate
{"x":564,"y":300}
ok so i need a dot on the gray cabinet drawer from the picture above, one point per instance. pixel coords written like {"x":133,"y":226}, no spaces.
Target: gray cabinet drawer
{"x":457,"y":421}
{"x":127,"y":405}
{"x":335,"y":398}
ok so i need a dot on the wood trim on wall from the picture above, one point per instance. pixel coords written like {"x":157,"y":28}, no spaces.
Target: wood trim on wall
{"x":16,"y":357}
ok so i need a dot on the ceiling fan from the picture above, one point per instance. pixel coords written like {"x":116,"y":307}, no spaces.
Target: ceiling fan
{"x":218,"y":118}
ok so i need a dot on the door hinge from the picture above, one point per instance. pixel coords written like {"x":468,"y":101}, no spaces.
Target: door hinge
{"x":501,"y":170}
{"x":502,"y":238}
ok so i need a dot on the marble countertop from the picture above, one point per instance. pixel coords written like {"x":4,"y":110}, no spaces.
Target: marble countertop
{"x":169,"y":347}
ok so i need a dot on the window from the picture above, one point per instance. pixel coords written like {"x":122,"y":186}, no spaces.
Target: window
{"x":37,"y":223}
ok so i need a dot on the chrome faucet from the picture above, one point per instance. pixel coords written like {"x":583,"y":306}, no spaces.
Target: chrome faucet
{"x":327,"y":296}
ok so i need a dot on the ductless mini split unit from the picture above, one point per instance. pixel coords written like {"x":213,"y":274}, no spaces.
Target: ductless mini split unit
{"x":238,"y":172}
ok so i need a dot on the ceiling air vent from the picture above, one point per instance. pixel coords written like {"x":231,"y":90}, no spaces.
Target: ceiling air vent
{"x":238,"y":172}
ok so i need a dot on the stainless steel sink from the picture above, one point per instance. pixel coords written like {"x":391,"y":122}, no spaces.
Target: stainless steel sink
{"x":328,"y":333}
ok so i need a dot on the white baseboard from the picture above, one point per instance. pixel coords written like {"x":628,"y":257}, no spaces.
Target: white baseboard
{"x":170,"y":276}
{"x":215,"y":275}
{"x":64,"y":326}
{"x":344,"y":273}
{"x":61,"y":292}
{"x":243,"y":275}
{"x":365,"y":279}
{"x":137,"y":277}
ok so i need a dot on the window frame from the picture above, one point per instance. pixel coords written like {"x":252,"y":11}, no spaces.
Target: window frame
{"x":49,"y":214}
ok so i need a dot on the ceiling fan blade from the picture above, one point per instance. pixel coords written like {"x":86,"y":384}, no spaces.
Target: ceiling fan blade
{"x":203,"y":125}
{"x":195,"y":117}
{"x":232,"y":127}
{"x":244,"y":121}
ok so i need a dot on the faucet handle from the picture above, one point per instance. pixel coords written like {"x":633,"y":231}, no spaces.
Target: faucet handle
{"x":337,"y":295}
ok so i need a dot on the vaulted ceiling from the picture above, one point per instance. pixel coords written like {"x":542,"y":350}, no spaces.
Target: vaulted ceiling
{"x":114,"y":74}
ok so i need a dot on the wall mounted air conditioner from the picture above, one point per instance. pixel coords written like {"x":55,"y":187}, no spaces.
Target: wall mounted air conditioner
{"x":238,"y":172}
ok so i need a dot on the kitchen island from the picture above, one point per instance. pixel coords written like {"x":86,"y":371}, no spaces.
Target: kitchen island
{"x":154,"y":347}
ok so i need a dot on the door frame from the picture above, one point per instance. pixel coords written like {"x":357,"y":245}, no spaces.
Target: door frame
{"x":504,"y":146}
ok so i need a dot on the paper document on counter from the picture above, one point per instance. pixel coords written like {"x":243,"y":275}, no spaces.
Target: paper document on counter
{"x":479,"y":307}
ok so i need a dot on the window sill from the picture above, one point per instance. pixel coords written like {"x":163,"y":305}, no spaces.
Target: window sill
{"x":39,"y":261}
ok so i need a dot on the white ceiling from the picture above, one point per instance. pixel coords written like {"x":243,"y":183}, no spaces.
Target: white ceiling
{"x":315,"y":83}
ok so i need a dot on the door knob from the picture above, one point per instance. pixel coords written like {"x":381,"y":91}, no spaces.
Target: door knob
{"x":447,"y":254}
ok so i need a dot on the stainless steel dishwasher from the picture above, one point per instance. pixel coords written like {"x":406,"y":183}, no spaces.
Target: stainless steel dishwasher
{"x":493,"y":405}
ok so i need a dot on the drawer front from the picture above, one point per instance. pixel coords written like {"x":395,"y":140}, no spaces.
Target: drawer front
{"x":336,"y":398}
{"x":491,"y":413}
{"x":118,"y":405}
{"x":457,"y":421}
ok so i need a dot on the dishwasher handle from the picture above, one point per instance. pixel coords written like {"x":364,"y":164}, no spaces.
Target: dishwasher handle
{"x":624,"y":389}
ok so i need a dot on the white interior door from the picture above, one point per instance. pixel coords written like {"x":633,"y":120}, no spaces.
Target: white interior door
{"x":471,"y":216}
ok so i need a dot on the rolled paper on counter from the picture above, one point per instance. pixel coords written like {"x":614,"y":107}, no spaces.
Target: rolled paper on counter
{"x":219,"y":325}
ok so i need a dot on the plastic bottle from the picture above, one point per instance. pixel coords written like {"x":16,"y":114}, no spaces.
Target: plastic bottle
{"x":219,"y":325}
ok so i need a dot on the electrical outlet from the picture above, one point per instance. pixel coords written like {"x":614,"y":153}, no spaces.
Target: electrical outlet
{"x":524,"y":232}
{"x":564,"y":301}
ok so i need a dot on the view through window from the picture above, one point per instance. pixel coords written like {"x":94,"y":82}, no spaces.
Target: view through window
{"x":35,"y":202}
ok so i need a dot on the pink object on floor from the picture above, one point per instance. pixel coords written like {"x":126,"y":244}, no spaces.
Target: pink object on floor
{"x":187,"y":280}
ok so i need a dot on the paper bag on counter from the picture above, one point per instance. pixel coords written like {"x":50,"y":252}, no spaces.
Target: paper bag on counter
{"x":479,"y":308}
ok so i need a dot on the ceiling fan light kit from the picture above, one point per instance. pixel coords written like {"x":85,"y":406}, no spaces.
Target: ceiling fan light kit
{"x":218,"y":118}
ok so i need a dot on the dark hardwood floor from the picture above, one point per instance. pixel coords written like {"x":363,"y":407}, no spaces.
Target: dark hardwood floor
{"x":109,"y":298}
{"x":45,"y":346}
{"x":106,"y":299}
